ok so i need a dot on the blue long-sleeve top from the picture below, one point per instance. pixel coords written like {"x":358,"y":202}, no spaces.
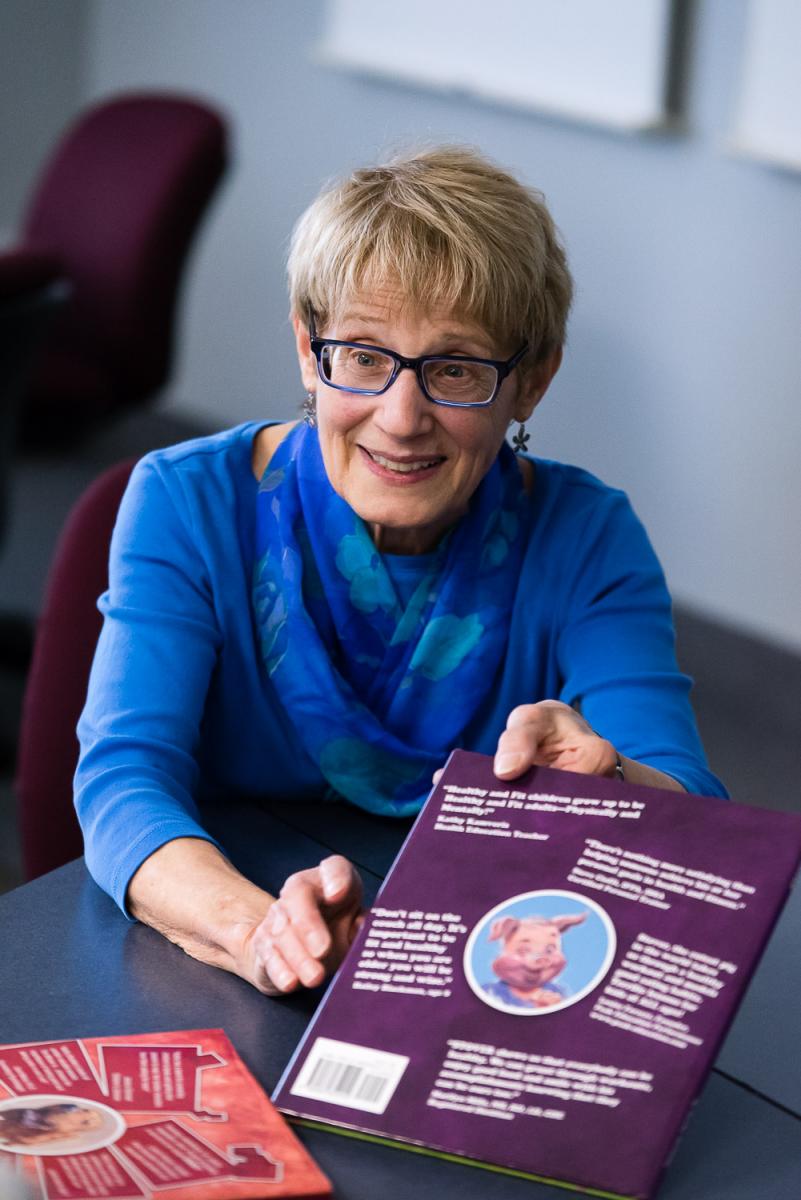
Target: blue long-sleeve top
{"x":180,"y":707}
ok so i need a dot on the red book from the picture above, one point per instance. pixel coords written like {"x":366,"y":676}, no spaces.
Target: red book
{"x":173,"y":1115}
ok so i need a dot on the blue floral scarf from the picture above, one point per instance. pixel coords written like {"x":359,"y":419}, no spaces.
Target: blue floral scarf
{"x":380,"y":692}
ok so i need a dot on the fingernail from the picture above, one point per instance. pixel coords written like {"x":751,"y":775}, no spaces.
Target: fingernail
{"x":282,"y":977}
{"x":310,"y":973}
{"x":317,"y":943}
{"x":507,"y":762}
{"x":278,"y":919}
{"x":331,"y":884}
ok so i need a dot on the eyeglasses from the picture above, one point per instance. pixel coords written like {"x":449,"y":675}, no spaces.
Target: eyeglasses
{"x":455,"y":380}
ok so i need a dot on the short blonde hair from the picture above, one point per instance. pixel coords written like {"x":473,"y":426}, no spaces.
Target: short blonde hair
{"x":447,"y":228}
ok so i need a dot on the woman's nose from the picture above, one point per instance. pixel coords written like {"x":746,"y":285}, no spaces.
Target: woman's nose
{"x":403,"y":409}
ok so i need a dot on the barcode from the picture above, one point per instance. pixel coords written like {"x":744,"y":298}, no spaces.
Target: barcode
{"x":350,"y":1075}
{"x":344,"y":1079}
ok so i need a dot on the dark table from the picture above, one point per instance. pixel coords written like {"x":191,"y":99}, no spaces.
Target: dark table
{"x":72,"y":966}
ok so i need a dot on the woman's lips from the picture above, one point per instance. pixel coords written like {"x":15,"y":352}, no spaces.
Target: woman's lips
{"x":402,"y":469}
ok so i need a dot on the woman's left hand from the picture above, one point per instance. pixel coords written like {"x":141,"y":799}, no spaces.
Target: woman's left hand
{"x":551,"y":734}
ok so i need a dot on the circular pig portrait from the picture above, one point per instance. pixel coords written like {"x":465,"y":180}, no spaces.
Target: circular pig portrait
{"x":50,"y":1125}
{"x":539,"y":952}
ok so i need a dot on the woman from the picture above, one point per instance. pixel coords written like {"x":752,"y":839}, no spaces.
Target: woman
{"x":48,"y":1123}
{"x":328,"y":607}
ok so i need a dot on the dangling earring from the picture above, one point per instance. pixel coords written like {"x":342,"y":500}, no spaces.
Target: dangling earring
{"x":521,"y":439}
{"x":310,"y":410}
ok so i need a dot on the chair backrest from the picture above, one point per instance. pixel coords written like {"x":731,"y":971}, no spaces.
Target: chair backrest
{"x":119,"y":202}
{"x":66,"y":636}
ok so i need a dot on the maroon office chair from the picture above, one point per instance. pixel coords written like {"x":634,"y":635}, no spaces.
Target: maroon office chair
{"x":118,"y":204}
{"x":66,"y":636}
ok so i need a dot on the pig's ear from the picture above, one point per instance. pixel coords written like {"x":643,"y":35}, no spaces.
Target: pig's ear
{"x":568,"y":921}
{"x":503,"y":929}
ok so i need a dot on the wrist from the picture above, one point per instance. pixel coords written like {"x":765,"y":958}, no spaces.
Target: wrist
{"x":237,"y":915}
{"x":616,"y":769}
{"x":193,"y":895}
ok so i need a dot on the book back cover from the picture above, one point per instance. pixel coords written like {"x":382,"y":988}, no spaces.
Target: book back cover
{"x":547,"y":974}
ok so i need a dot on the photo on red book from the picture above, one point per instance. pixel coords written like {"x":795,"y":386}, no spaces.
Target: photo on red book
{"x":174,"y":1115}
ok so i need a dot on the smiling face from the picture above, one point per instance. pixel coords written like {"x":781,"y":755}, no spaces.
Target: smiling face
{"x":51,"y":1123}
{"x":406,"y":466}
{"x":77,"y":1121}
{"x":532,"y":955}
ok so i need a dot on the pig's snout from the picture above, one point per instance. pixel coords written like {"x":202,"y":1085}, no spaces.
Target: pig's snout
{"x":525,"y":972}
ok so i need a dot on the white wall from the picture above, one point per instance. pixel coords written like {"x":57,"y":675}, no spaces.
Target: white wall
{"x":681,"y":381}
{"x":41,"y":61}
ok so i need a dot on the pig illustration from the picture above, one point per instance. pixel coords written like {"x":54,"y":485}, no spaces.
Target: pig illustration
{"x":530,"y":959}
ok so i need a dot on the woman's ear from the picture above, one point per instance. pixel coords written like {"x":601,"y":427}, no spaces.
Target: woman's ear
{"x":306,"y":360}
{"x":535,"y":383}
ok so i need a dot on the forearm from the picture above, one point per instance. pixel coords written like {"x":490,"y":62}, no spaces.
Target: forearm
{"x":637,"y":772}
{"x":191,"y":893}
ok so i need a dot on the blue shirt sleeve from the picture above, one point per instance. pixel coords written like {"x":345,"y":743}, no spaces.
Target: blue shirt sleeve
{"x":140,"y":727}
{"x":616,"y":647}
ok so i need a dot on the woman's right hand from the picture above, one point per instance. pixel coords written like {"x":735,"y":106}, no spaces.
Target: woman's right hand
{"x":189,"y":891}
{"x":307,"y":931}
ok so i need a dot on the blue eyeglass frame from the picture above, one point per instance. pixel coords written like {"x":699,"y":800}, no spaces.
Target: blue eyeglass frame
{"x":502,"y":368}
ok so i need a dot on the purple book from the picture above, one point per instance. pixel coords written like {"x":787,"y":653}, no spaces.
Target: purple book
{"x":547,"y":975}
